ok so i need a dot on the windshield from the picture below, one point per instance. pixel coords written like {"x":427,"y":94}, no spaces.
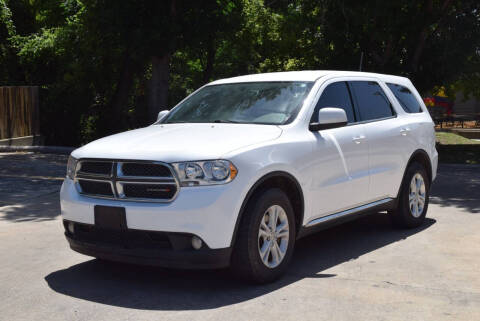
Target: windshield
{"x":273,"y":103}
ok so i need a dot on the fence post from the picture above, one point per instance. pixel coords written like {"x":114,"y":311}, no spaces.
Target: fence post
{"x":19,"y":115}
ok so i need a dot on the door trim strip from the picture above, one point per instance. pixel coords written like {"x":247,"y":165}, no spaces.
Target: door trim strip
{"x":354,"y":210}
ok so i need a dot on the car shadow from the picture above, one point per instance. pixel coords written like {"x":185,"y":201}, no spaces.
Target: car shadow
{"x":458,"y":186}
{"x":150,"y":288}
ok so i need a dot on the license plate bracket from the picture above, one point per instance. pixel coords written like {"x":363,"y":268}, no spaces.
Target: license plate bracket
{"x":110,"y":217}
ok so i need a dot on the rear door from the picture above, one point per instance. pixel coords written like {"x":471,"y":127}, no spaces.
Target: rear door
{"x":386,"y":134}
{"x":340,"y":176}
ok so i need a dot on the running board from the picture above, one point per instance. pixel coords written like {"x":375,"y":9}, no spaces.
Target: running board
{"x":344,"y":216}
{"x":354,"y":210}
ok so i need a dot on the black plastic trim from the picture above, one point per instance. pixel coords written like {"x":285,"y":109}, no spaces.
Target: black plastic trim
{"x":178,"y":256}
{"x":314,"y":127}
{"x":255,"y":186}
{"x":304,"y":230}
{"x":429,"y":169}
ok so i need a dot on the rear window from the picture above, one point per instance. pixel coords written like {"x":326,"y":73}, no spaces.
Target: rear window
{"x":406,"y":99}
{"x":371,"y":100}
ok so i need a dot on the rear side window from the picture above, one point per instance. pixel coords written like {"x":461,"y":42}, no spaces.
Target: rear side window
{"x":335,"y":95}
{"x":371,"y":101}
{"x":406,"y":99}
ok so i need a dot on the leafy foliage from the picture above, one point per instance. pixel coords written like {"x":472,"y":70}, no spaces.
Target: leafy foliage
{"x":105,"y":66}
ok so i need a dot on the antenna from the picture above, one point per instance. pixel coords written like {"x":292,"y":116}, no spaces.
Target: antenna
{"x":361,"y":62}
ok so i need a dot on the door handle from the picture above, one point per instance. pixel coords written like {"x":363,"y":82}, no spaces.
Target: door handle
{"x":358,"y":139}
{"x":404,"y":131}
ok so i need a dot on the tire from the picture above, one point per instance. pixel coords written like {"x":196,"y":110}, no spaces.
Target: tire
{"x":247,"y":261}
{"x":408,"y":215}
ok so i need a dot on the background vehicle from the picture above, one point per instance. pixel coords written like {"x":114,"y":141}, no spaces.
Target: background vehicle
{"x":243,"y":167}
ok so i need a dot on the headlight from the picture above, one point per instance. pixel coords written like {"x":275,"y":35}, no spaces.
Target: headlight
{"x":71,"y":166}
{"x":205,"y":172}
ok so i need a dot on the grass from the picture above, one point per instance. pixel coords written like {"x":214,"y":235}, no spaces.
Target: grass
{"x":445,"y":138}
{"x":453,"y":148}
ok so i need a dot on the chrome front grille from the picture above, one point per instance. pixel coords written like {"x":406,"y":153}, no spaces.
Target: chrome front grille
{"x":127,"y":180}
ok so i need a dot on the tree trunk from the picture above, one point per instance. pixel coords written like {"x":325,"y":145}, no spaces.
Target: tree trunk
{"x":211,"y":51}
{"x":158,"y":89}
{"x":422,"y":38}
{"x":426,"y":32}
{"x":114,"y":119}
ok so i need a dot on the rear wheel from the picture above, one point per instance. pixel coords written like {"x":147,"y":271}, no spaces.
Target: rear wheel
{"x":266,"y":237}
{"x":413,"y":198}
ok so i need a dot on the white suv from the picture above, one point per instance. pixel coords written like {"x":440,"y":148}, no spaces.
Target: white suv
{"x":243,"y":167}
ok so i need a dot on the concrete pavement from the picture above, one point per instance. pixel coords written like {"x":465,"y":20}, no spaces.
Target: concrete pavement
{"x":363,"y":270}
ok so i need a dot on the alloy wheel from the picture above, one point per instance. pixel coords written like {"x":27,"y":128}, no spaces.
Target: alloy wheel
{"x":416,"y":195}
{"x":273,"y":236}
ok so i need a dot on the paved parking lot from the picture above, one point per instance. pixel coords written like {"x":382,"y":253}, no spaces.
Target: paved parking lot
{"x":363,"y":270}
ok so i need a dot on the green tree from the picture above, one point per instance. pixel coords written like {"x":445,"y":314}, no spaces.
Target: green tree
{"x":105,"y":66}
{"x":430,"y":41}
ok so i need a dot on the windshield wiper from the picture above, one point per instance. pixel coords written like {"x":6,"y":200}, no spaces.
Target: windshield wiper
{"x":202,"y":122}
{"x":225,"y":121}
{"x":175,"y":122}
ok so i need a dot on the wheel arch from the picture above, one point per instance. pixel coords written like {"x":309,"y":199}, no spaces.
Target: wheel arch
{"x":419,"y":156}
{"x":286,"y":182}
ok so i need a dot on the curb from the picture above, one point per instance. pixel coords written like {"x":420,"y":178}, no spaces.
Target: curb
{"x":38,"y":149}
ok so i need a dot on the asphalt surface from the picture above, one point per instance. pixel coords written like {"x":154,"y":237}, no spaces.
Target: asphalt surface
{"x":363,"y":270}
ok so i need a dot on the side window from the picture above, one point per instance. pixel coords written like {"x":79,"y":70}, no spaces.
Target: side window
{"x":371,"y":100}
{"x":406,"y":99}
{"x":335,"y":95}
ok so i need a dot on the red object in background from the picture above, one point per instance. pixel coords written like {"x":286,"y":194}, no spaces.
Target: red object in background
{"x":438,"y":101}
{"x":445,"y":103}
{"x":429,"y":101}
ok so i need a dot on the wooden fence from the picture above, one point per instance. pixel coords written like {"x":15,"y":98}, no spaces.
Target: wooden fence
{"x":19,"y":112}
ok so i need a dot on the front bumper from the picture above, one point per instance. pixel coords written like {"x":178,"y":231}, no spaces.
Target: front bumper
{"x":210,"y":212}
{"x":171,"y":250}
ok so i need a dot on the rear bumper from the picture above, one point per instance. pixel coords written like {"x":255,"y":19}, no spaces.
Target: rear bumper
{"x":434,"y":164}
{"x":177,"y":254}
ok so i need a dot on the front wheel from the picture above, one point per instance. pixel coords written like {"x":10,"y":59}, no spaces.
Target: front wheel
{"x":413,"y":198}
{"x":266,"y":237}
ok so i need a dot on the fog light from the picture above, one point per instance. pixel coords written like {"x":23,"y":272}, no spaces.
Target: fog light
{"x":196,"y":243}
{"x":71,"y":227}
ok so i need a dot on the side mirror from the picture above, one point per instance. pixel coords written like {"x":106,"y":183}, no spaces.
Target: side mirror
{"x":162,"y":115}
{"x":329,"y":117}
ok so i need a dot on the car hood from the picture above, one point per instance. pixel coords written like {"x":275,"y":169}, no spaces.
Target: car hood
{"x":178,"y":142}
